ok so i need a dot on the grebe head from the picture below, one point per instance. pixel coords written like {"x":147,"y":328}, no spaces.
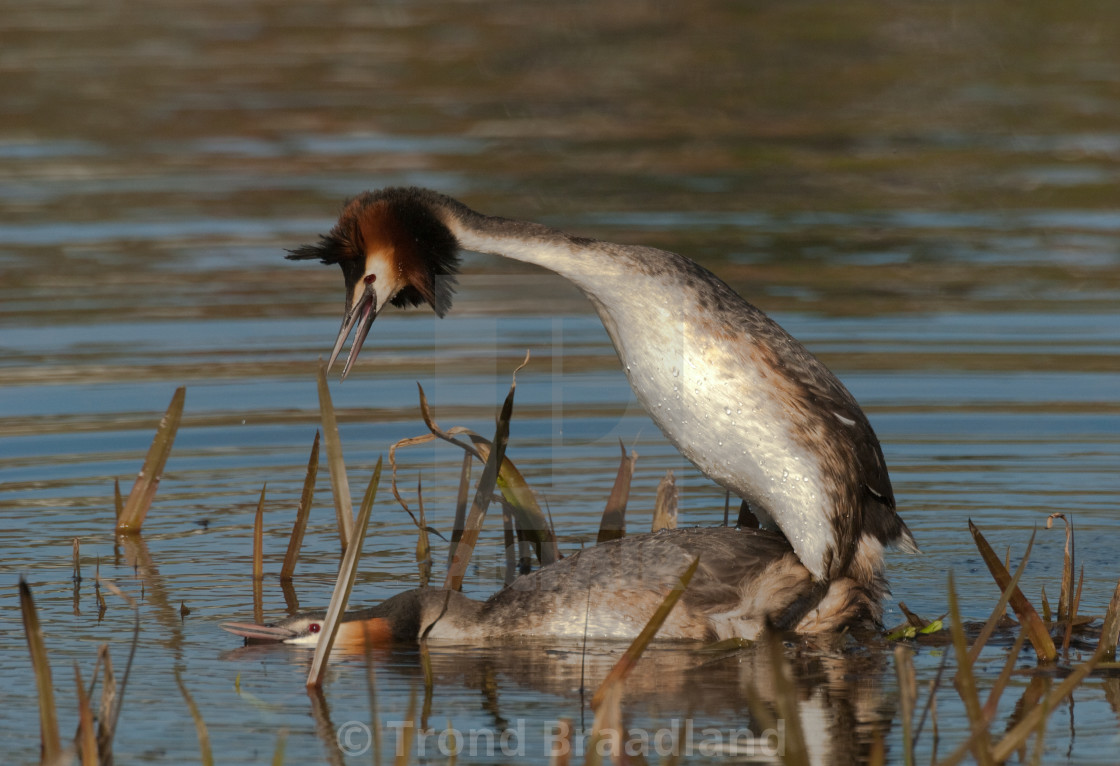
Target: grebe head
{"x":395,"y":619}
{"x":392,"y":249}
{"x":300,"y":629}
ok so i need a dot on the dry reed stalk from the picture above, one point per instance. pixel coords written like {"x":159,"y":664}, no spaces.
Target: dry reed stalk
{"x":105,"y":706}
{"x":509,"y":541}
{"x":86,"y":738}
{"x":877,"y":753}
{"x":50,"y":746}
{"x":1075,"y":605}
{"x":303,"y":513}
{"x":930,"y":708}
{"x":510,"y":481}
{"x":76,"y":577}
{"x":912,"y":619}
{"x":1001,"y":605}
{"x":423,"y":548}
{"x":633,"y":653}
{"x":461,"y":499}
{"x":131,"y":517}
{"x":607,"y":726}
{"x":483,"y":492}
{"x":966,"y":682}
{"x":1004,"y":678}
{"x":1110,"y":631}
{"x":110,"y":720}
{"x":668,"y":502}
{"x":101,"y":605}
{"x":515,"y":490}
{"x":613,"y":524}
{"x":1065,"y":596}
{"x":340,"y":484}
{"x":258,"y":600}
{"x":1036,"y":629}
{"x":258,"y":538}
{"x":347,"y":572}
{"x":291,"y":599}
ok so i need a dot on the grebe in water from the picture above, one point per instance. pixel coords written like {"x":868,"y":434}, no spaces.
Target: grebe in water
{"x":747,"y":578}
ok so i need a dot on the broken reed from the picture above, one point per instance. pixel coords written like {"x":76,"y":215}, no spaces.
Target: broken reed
{"x":90,"y":746}
{"x":135,"y":509}
{"x":347,"y":573}
{"x":530,"y":521}
{"x":303,"y":513}
{"x":613,"y":524}
{"x":340,"y":485}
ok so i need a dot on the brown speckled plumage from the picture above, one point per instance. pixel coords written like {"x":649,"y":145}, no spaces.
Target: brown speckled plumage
{"x":745,"y":580}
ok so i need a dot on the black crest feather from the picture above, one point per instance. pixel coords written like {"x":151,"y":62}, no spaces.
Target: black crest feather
{"x":328,"y":250}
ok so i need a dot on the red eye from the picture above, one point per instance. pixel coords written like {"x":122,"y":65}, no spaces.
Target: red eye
{"x":370,"y":279}
{"x":314,"y":627}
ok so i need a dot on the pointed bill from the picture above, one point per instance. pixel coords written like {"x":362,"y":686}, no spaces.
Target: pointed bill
{"x":362,"y":315}
{"x":364,"y":323}
{"x":256,"y":632}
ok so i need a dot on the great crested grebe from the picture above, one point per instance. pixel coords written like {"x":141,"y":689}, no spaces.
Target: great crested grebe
{"x":746,"y":579}
{"x":737,"y":395}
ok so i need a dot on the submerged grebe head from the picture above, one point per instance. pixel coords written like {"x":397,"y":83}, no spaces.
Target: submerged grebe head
{"x":358,"y":629}
{"x":393,"y":620}
{"x":392,"y":249}
{"x":300,"y":629}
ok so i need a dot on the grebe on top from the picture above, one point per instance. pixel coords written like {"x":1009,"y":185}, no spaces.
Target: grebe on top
{"x":743,"y":400}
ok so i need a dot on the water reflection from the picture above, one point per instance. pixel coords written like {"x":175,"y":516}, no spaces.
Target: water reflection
{"x":840,"y":698}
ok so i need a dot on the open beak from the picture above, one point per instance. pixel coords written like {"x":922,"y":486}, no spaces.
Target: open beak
{"x":255,"y":632}
{"x":361,"y":315}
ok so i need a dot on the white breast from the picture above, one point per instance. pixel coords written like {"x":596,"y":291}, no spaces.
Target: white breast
{"x":707,"y":394}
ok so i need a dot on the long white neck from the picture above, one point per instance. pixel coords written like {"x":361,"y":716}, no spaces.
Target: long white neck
{"x":595,"y":267}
